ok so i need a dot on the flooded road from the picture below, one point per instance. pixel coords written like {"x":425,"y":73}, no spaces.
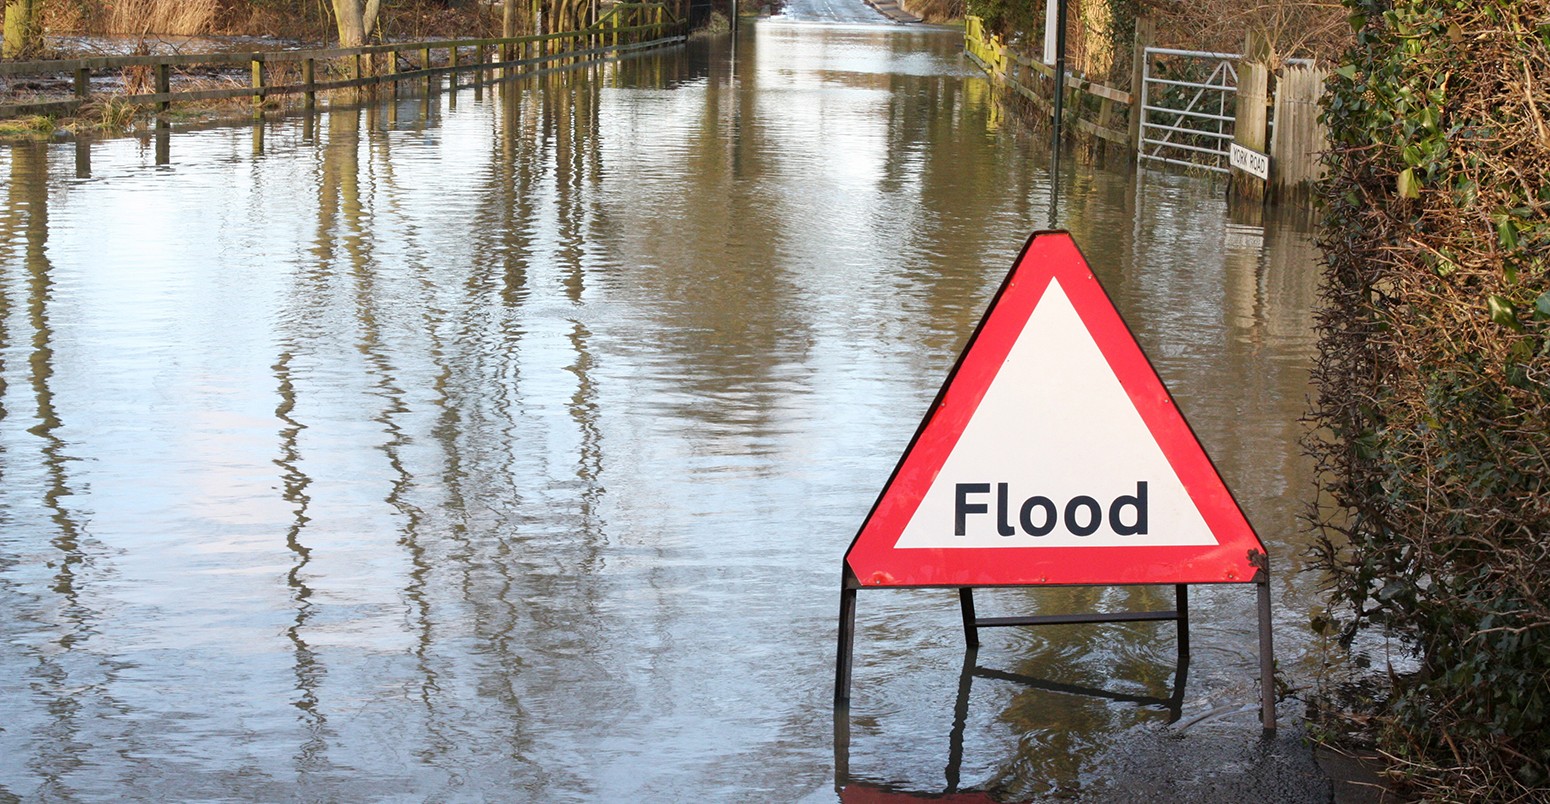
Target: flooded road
{"x":507,"y":446}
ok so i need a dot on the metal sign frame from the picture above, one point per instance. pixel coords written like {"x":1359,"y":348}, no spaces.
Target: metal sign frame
{"x":1119,"y":347}
{"x":845,"y":655}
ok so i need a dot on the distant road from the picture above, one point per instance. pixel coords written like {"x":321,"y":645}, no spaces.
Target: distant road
{"x":848,"y":11}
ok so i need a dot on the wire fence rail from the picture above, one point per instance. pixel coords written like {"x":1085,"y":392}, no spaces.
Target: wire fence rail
{"x":630,"y":26}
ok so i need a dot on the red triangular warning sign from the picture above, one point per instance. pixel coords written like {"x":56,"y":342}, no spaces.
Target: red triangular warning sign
{"x":1053,"y":455}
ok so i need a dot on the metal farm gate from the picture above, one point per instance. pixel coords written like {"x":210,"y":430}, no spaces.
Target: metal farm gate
{"x":1188,"y":102}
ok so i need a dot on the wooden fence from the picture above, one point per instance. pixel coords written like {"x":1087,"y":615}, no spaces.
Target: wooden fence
{"x":630,"y":26}
{"x":1035,"y":81}
{"x":1299,"y":137}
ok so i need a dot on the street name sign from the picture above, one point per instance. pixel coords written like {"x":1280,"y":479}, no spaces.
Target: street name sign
{"x":1249,"y":161}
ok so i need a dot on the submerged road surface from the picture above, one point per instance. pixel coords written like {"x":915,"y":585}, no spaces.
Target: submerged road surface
{"x":506,"y":444}
{"x":845,"y":11}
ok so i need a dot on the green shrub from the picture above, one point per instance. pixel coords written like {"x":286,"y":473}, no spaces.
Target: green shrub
{"x":1434,"y":378}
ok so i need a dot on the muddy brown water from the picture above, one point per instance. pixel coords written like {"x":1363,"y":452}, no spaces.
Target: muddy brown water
{"x":506,"y":446}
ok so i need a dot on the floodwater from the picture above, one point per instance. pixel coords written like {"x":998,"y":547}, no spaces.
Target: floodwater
{"x":506,"y":446}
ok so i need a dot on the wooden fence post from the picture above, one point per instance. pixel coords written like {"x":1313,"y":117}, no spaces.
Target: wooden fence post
{"x":1146,"y":33}
{"x":258,"y":88}
{"x":83,"y":83}
{"x":1249,"y":126}
{"x":478,"y":72}
{"x":163,"y":85}
{"x":392,"y":73}
{"x":309,"y":80}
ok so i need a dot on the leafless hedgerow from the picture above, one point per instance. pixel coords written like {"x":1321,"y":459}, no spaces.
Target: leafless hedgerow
{"x":1292,"y":28}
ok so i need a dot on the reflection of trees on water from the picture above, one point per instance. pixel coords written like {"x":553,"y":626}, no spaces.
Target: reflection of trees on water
{"x":466,"y":388}
{"x":1063,"y":735}
{"x":64,"y":670}
{"x":311,"y":755}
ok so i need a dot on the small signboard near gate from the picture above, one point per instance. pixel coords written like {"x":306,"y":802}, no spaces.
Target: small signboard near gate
{"x":1249,"y":161}
{"x":1053,"y":455}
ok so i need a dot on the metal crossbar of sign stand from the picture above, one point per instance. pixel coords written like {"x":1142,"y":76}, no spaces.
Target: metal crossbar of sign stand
{"x":1188,"y":121}
{"x":1179,"y":614}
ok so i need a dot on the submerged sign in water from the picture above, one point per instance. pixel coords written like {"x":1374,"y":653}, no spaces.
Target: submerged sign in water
{"x":1053,"y":455}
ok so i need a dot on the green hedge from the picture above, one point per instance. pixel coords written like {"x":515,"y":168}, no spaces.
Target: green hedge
{"x":1433,"y":382}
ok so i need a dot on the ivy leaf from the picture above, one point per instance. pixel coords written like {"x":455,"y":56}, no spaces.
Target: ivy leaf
{"x":1507,"y":233}
{"x":1542,"y":306}
{"x":1502,"y":313}
{"x":1348,"y":72}
{"x":1407,"y":185}
{"x":1431,"y":118}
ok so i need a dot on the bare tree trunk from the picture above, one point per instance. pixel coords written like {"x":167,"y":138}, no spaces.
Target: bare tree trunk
{"x":355,"y":22}
{"x":21,"y":30}
{"x":369,"y":16}
{"x":509,"y":18}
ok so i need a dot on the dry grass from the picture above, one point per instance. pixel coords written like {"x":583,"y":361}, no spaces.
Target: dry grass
{"x":935,"y":10}
{"x":179,"y":17}
{"x":137,"y":78}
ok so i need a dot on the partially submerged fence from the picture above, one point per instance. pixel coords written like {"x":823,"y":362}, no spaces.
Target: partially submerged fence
{"x":630,"y":26}
{"x":1096,"y":109}
{"x":1298,"y":136}
{"x":1185,"y":108}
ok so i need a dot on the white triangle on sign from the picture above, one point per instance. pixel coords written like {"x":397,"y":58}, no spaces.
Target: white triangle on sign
{"x":1056,"y":455}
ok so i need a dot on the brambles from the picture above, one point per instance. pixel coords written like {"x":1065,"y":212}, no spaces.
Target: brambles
{"x":1434,"y":379}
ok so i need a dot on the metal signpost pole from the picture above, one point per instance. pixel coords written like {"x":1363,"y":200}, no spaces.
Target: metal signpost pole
{"x":1060,"y":74}
{"x":971,"y":634}
{"x":1059,"y":112}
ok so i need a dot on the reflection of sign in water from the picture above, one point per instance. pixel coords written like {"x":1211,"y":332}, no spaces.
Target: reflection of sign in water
{"x":1053,"y":455}
{"x":864,"y":793}
{"x":1252,"y":162}
{"x":1240,"y":237}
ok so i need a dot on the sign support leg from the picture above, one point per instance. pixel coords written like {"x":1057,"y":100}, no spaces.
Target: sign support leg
{"x":841,"y":749}
{"x":1181,"y":606}
{"x":847,"y":646}
{"x":1267,"y":681}
{"x":971,"y":631}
